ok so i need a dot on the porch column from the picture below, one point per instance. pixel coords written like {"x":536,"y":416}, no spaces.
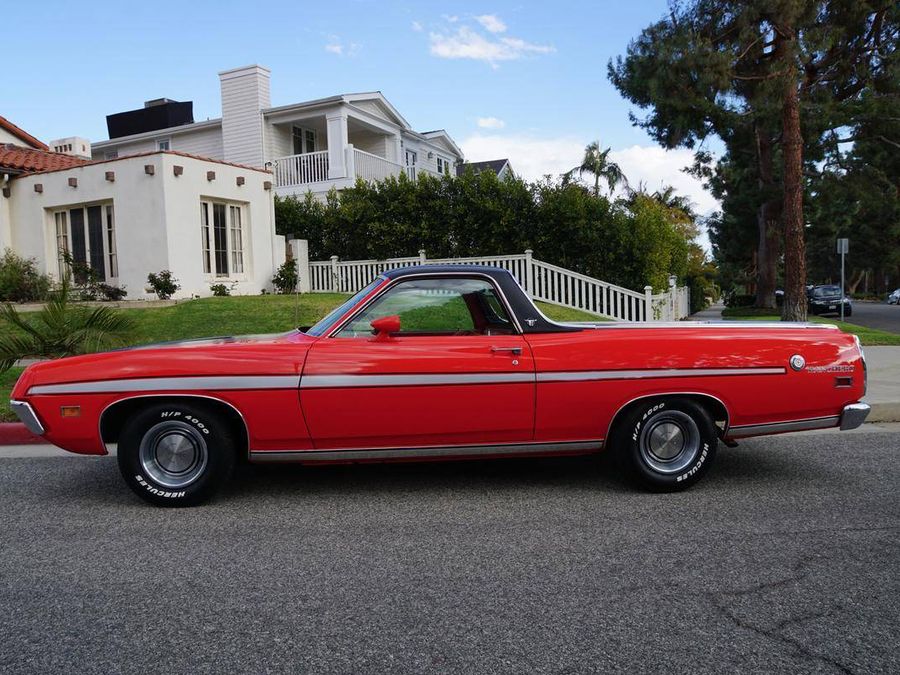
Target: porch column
{"x":398,"y":149}
{"x":336,"y":127}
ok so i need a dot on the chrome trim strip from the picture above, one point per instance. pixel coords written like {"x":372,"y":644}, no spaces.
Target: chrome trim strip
{"x":726,"y":323}
{"x":171,"y":384}
{"x":746,"y":430}
{"x":587,"y":375}
{"x":435,"y":451}
{"x":854,"y":415}
{"x":393,"y":282}
{"x":28,"y":417}
{"x":332,"y":381}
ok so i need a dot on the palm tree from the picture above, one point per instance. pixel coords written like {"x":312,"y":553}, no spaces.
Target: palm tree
{"x":596,"y":162}
{"x":681,"y":208}
{"x":61,"y":328}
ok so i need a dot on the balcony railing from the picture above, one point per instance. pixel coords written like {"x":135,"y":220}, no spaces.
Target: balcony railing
{"x":371,"y":167}
{"x":310,"y":167}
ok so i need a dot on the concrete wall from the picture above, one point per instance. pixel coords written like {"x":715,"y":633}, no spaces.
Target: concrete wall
{"x":157,"y":218}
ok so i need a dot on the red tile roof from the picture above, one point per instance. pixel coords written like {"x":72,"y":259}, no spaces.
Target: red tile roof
{"x":22,"y":134}
{"x":30,"y":160}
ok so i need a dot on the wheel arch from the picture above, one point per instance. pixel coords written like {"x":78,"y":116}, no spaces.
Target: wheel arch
{"x":111,"y":426}
{"x":713,"y":404}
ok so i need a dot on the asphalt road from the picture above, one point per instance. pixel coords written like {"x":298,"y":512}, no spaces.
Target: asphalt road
{"x":876,"y":315}
{"x":786,"y":558}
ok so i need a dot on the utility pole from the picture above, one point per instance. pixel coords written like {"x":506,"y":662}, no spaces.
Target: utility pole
{"x":843,"y":247}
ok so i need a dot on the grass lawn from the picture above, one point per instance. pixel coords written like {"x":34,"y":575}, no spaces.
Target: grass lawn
{"x":868,"y":336}
{"x":7,"y":380}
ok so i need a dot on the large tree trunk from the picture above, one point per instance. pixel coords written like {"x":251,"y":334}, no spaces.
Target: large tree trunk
{"x":792,"y":210}
{"x":767,"y":225}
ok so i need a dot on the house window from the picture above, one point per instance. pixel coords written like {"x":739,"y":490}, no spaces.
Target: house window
{"x":222,"y":238}
{"x":411,"y":158}
{"x":163,"y":144}
{"x":88,"y":234}
{"x":443,"y":166}
{"x":304,"y":140}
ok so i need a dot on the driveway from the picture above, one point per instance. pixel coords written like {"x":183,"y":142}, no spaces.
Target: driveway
{"x":876,"y":315}
{"x":784,"y":559}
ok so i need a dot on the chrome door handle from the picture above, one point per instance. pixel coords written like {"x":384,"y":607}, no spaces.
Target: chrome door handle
{"x":511,"y":350}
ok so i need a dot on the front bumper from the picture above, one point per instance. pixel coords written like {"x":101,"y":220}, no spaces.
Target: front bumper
{"x":28,"y":417}
{"x":854,"y":415}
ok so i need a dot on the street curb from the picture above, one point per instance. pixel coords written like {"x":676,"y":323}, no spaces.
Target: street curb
{"x":15,"y":433}
{"x":884,"y":412}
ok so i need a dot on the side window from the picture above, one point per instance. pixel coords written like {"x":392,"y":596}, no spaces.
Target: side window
{"x":437,"y":307}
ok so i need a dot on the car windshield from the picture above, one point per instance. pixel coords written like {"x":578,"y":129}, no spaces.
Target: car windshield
{"x":824,"y":291}
{"x":325,"y":324}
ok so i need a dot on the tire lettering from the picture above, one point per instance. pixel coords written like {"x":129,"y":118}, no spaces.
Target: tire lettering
{"x":152,"y":490}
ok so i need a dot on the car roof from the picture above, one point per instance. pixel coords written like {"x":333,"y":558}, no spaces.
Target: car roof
{"x":497,"y":273}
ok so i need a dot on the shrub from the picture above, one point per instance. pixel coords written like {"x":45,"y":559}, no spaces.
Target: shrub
{"x":111,"y":293}
{"x":739,"y":300}
{"x":62,"y":328}
{"x":163,"y":284}
{"x":286,"y":278}
{"x":220,"y":290}
{"x":20,"y":280}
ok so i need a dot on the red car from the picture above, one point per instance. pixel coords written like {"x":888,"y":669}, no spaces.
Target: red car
{"x":444,"y":362}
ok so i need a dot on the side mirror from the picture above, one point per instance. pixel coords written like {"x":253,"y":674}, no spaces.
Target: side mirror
{"x":386,"y":325}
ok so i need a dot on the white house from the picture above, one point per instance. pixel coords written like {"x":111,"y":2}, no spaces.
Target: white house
{"x":207,"y":221}
{"x":310,"y":146}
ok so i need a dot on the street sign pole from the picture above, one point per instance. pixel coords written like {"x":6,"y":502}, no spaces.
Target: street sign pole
{"x":843,"y":247}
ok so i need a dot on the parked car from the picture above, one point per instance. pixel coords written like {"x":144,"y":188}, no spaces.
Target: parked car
{"x":894,"y":298}
{"x":444,"y":362}
{"x":828,"y":300}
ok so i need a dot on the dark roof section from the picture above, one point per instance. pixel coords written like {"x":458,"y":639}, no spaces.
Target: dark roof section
{"x":156,"y":115}
{"x":495,"y":165}
{"x":531,"y":319}
{"x":22,"y":134}
{"x":17,"y":159}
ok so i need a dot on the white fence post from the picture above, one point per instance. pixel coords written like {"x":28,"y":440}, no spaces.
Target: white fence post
{"x":648,"y":303}
{"x":422,"y":257}
{"x":335,"y":279}
{"x":300,"y":253}
{"x":529,"y":272}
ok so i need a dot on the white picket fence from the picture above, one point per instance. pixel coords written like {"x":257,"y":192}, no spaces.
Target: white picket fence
{"x":542,"y":281}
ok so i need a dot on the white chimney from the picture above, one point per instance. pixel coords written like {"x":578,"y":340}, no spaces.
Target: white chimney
{"x":245,"y":92}
{"x":73,"y":145}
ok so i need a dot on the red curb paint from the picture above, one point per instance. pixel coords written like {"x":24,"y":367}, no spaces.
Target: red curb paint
{"x":14,"y":433}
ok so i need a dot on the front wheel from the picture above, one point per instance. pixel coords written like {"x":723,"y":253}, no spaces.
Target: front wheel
{"x":176,"y":454}
{"x":666,"y":444}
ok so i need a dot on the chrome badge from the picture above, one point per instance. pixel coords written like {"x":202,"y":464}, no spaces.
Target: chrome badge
{"x":797,"y":362}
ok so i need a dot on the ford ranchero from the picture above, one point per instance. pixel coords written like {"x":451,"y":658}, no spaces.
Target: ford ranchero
{"x":448,"y":362}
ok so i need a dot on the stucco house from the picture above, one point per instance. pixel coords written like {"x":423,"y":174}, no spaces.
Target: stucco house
{"x":206,"y":220}
{"x":311,"y":146}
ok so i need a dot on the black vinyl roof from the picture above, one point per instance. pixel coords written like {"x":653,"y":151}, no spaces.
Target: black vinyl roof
{"x":529,"y":316}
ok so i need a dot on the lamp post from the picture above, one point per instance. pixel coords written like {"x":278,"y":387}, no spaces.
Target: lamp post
{"x":843,"y":247}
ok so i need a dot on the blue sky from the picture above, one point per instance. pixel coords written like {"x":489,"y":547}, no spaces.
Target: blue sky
{"x":524,"y":80}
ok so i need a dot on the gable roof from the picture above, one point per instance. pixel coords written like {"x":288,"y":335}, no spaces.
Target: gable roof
{"x":30,"y":160}
{"x":440,"y":134}
{"x":495,"y":165}
{"x":22,"y":134}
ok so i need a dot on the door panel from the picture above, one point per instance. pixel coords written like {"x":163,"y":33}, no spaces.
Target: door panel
{"x":365,"y":392}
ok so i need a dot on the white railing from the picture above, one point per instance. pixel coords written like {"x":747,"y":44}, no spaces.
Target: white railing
{"x":310,"y":167}
{"x":372,"y":167}
{"x":542,"y":281}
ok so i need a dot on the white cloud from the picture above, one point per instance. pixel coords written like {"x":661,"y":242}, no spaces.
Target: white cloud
{"x":465,"y":43}
{"x":491,"y":123}
{"x":335,"y":45}
{"x":532,"y":158}
{"x":491,"y":23}
{"x":417,"y":26}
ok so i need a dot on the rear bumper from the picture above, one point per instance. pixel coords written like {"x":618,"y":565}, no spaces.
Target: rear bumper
{"x":27,"y":416}
{"x":854,"y":415}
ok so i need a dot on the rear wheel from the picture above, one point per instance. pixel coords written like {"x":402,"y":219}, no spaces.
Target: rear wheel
{"x":176,"y":454}
{"x":666,"y":444}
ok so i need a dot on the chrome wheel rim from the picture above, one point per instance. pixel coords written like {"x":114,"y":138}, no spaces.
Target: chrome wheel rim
{"x":669,"y":441}
{"x":173,"y":454}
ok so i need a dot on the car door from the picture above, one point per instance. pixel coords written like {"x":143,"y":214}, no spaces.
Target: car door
{"x":458,"y":372}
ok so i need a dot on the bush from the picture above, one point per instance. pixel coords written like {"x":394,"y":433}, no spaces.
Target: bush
{"x":163,"y":284}
{"x":739,"y":300}
{"x":286,"y":278}
{"x":220,"y":290}
{"x":20,"y":280}
{"x":111,"y":293}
